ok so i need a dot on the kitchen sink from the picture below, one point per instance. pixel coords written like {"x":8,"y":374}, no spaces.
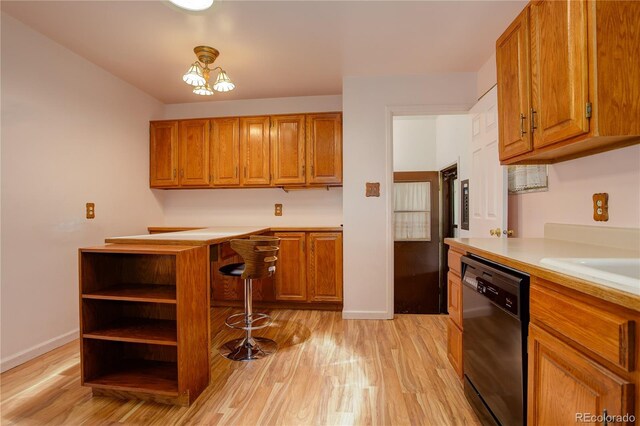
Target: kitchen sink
{"x":622,"y":271}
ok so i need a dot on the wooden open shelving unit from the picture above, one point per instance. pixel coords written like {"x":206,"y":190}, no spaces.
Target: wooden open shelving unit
{"x":144,"y":321}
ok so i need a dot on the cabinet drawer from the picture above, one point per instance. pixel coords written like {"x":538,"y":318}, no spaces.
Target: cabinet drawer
{"x":454,"y":261}
{"x":454,"y":304}
{"x":454,"y":347}
{"x":585,"y":322}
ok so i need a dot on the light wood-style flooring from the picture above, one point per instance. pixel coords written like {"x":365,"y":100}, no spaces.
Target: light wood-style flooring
{"x":327,"y":371}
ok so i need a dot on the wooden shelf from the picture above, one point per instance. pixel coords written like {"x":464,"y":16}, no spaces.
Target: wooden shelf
{"x":136,"y":293}
{"x":140,"y":376}
{"x":138,"y":330}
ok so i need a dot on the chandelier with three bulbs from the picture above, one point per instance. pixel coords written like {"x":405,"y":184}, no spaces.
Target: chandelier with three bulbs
{"x":198,"y":74}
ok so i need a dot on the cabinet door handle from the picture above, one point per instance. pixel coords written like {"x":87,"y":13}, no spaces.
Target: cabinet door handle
{"x":312,"y":170}
{"x":175,"y":173}
{"x":181,"y":172}
{"x":236,"y":171}
{"x":303,"y":169}
{"x":245,"y":172}
{"x":533,"y":120}
{"x":522,"y":131}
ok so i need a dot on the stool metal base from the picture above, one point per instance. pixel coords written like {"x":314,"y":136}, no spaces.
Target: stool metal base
{"x":248,"y":349}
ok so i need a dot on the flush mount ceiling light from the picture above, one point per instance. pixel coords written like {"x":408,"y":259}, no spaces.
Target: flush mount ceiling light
{"x":198,"y":75}
{"x":193,"y":5}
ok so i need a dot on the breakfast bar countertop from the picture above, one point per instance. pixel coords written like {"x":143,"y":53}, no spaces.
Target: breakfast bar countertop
{"x":194,"y":237}
{"x":529,"y":255}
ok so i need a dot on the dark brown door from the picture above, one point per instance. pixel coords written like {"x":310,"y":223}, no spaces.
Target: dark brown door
{"x":416,"y":260}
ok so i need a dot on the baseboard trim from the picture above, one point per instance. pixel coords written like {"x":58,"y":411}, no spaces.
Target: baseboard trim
{"x":21,"y":357}
{"x":367,"y":315}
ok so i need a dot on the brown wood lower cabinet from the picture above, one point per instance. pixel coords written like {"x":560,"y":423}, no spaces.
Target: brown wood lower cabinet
{"x":565,"y":384}
{"x":454,"y":307}
{"x":583,"y":355}
{"x":144,"y":322}
{"x":308,"y":274}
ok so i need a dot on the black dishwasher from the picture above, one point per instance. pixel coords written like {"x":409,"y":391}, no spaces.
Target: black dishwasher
{"x":494,"y":340}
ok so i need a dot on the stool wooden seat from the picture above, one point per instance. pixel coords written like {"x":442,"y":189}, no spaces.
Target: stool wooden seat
{"x":259,"y":255}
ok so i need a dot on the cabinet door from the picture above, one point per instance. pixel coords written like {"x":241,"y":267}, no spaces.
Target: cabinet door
{"x":454,"y":347}
{"x":291,"y":275}
{"x":225,"y":151}
{"x":564,"y":383}
{"x":559,"y":69}
{"x":454,"y":305}
{"x":287,"y":149}
{"x":324,"y":148}
{"x":194,"y":153}
{"x":163,"y":171}
{"x":325,"y":266}
{"x":254,"y":151}
{"x":512,"y":62}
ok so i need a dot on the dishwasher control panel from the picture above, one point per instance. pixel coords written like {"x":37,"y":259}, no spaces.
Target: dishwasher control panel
{"x":501,"y":297}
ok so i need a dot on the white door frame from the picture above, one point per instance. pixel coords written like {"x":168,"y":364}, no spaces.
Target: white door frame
{"x":390,"y":112}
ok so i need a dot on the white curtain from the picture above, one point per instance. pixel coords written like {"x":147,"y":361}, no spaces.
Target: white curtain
{"x":412,"y":216}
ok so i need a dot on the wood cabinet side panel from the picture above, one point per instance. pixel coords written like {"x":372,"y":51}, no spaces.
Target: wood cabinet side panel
{"x":194,"y":343}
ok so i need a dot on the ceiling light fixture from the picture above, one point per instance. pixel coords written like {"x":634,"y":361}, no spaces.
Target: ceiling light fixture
{"x":193,"y":5}
{"x":198,"y":75}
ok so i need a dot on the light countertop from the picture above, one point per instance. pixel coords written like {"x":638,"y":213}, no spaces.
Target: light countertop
{"x":204,"y":236}
{"x":526,"y":254}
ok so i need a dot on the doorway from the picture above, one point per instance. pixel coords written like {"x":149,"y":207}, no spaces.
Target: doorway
{"x":449,"y":220}
{"x":416,"y":243}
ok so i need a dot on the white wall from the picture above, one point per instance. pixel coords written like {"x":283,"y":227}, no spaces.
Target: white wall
{"x":571,"y":186}
{"x":487,"y":76}
{"x":254,"y":107}
{"x":71,"y":133}
{"x":253,"y":206}
{"x":367,"y":157}
{"x":414,"y":143}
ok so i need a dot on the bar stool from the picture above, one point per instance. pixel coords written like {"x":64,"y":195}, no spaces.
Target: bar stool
{"x":259,"y":255}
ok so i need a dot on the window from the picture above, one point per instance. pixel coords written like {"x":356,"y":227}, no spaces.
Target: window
{"x":412,"y":211}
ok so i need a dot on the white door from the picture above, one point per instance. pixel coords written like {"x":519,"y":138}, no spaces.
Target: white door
{"x":488,"y":181}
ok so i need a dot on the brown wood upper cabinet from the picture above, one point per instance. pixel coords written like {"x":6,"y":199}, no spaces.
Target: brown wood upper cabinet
{"x":582,"y":80}
{"x":324,"y":148}
{"x":225,"y":151}
{"x":288,"y":149}
{"x":512,"y":58}
{"x":194,"y":153}
{"x":232,"y":152}
{"x":163,"y":154}
{"x":254,"y":151}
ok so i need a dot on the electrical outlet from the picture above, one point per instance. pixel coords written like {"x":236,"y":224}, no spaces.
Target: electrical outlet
{"x":91,"y":211}
{"x":601,"y":207}
{"x":278,"y":210}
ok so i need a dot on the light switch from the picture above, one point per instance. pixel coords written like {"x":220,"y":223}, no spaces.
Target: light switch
{"x":601,"y":207}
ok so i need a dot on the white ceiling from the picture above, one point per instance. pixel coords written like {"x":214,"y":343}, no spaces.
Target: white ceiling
{"x":268,"y":48}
